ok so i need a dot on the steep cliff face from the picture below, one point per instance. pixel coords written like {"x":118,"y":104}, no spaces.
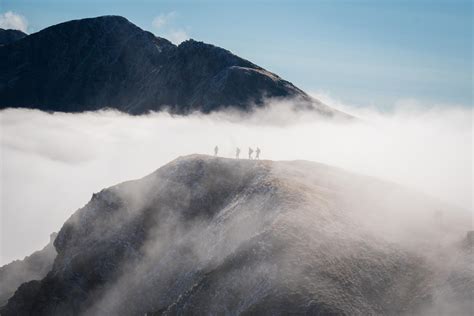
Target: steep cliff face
{"x":221,"y":236}
{"x":33,"y":267}
{"x":103,"y":62}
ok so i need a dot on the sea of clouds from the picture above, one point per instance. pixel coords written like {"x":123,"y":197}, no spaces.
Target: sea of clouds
{"x":51,"y":163}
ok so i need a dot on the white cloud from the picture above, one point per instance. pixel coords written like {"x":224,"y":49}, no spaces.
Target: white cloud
{"x":177,"y":36}
{"x":52,"y":163}
{"x":162,"y":20}
{"x":162,"y":24}
{"x":11,"y":20}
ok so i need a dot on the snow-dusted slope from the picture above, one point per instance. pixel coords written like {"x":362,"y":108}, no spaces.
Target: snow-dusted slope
{"x":207,"y":235}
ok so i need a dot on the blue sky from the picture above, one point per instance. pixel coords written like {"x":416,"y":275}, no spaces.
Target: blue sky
{"x":360,"y":52}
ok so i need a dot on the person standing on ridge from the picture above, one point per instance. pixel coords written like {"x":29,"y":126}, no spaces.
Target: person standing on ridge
{"x":250,"y":153}
{"x":216,"y":150}
{"x":257,"y":154}
{"x":237,"y":153}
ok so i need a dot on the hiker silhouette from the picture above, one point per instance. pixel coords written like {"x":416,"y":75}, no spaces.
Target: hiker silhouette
{"x":250,"y":153}
{"x":257,"y":153}
{"x":237,"y":153}
{"x":216,"y":150}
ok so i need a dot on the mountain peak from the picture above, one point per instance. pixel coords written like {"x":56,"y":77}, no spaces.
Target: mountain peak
{"x":262,"y":230}
{"x":104,"y":19}
{"x":108,"y":62}
{"x":107,"y":24}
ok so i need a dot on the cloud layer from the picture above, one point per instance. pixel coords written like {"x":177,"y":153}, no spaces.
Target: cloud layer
{"x":11,"y":20}
{"x":52,"y":163}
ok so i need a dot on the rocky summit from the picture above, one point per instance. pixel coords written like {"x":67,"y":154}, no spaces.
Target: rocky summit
{"x":108,"y":62}
{"x":207,"y":235}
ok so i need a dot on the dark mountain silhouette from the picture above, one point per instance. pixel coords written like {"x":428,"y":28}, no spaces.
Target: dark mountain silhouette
{"x":33,"y":267}
{"x":95,"y":63}
{"x":205,"y":235}
{"x":10,"y":36}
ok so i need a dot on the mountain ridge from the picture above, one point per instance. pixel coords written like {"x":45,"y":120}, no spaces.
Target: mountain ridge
{"x":108,"y":62}
{"x":32,"y":267}
{"x":211,"y":235}
{"x":9,"y":36}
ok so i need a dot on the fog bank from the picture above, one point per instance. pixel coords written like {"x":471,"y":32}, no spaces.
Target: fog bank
{"x":52,"y":163}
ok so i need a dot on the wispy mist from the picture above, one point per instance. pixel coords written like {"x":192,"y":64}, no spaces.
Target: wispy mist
{"x":52,"y":163}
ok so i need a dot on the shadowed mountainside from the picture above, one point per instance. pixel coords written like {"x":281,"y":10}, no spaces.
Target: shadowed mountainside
{"x":10,"y":36}
{"x":108,"y":62}
{"x":33,"y":267}
{"x":207,"y":235}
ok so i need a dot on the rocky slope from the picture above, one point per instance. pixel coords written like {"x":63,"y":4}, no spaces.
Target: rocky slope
{"x":207,"y":235}
{"x":102,"y":62}
{"x":10,"y":36}
{"x":33,"y":267}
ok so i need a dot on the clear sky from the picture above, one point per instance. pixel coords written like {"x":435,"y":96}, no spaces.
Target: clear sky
{"x":360,"y":52}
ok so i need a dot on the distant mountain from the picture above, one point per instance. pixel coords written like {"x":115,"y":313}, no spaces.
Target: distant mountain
{"x":10,"y":36}
{"x":95,"y":63}
{"x":213,"y":236}
{"x":33,"y":267}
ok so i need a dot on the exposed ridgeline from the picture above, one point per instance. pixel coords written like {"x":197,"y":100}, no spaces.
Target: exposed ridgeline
{"x":205,"y":235}
{"x":102,"y":62}
{"x":33,"y":267}
{"x":10,"y":36}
